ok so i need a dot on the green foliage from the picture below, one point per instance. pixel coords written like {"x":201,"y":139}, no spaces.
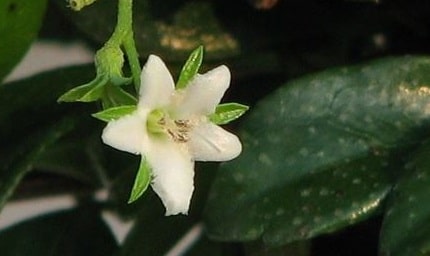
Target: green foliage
{"x":105,"y":86}
{"x":20,"y":21}
{"x":114,"y":113}
{"x":41,"y":123}
{"x":78,"y":156}
{"x":114,"y":96}
{"x":20,"y":158}
{"x":190,"y":68}
{"x":227,"y":112}
{"x":406,"y":227}
{"x":318,"y":153}
{"x":91,"y":91}
{"x":76,"y":232}
{"x":142,"y":181}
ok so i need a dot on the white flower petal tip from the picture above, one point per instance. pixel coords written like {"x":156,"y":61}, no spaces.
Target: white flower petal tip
{"x":175,"y":197}
{"x":209,"y":142}
{"x":219,"y":76}
{"x":157,"y":85}
{"x":175,"y":206}
{"x":204,"y":93}
{"x":173,"y":175}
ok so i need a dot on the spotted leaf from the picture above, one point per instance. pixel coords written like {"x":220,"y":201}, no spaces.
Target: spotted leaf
{"x":319,"y":152}
{"x":406,"y":227}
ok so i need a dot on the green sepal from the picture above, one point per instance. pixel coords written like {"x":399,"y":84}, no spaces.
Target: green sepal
{"x":190,"y":68}
{"x":142,"y":181}
{"x":114,"y":113}
{"x":91,"y":91}
{"x":225,"y":113}
{"x":109,"y":61}
{"x":115,"y":96}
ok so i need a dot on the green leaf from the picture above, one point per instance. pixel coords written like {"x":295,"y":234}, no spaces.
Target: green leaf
{"x":99,"y":89}
{"x":190,"y":68}
{"x":225,"y":113}
{"x":302,"y":248}
{"x":32,"y":121}
{"x":142,"y":181}
{"x":77,"y":157}
{"x":406,"y":227}
{"x":317,"y":152}
{"x":39,"y":94}
{"x":20,"y":21}
{"x":114,"y":113}
{"x":114,"y":96}
{"x":91,"y":91}
{"x":75,"y":232}
{"x":19,"y":159}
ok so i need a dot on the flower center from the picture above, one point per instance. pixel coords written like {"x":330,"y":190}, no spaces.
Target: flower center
{"x":160,"y":123}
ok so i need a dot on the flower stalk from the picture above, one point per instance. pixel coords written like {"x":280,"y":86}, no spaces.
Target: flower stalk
{"x":109,"y":61}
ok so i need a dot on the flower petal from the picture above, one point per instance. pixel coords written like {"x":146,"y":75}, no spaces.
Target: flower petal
{"x":204,"y":93}
{"x":127,"y":133}
{"x":157,"y":84}
{"x":173,"y":174}
{"x":209,"y":142}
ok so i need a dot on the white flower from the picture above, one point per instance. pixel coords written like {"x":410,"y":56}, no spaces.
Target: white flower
{"x":171,"y":129}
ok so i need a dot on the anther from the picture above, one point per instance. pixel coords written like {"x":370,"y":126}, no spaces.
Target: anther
{"x":162,"y":121}
{"x":182,"y":123}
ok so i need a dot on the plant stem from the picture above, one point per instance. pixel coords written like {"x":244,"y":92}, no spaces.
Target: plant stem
{"x":133,"y":59}
{"x":124,"y":22}
{"x":123,"y":36}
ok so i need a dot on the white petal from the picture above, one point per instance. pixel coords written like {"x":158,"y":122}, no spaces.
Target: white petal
{"x":209,"y":142}
{"x":173,"y":174}
{"x":204,"y":93}
{"x":127,"y":133}
{"x":157,"y":84}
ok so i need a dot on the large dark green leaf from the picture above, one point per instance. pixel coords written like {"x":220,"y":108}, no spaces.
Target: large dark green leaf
{"x":20,"y":158}
{"x":20,"y":21}
{"x":33,"y":101}
{"x":32,"y":121}
{"x":70,"y":233}
{"x":78,"y":156}
{"x":406,"y":226}
{"x":317,"y":152}
{"x":172,"y":29}
{"x":260,"y":249}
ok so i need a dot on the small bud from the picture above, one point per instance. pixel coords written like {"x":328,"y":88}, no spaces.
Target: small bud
{"x":109,"y":61}
{"x":77,"y":5}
